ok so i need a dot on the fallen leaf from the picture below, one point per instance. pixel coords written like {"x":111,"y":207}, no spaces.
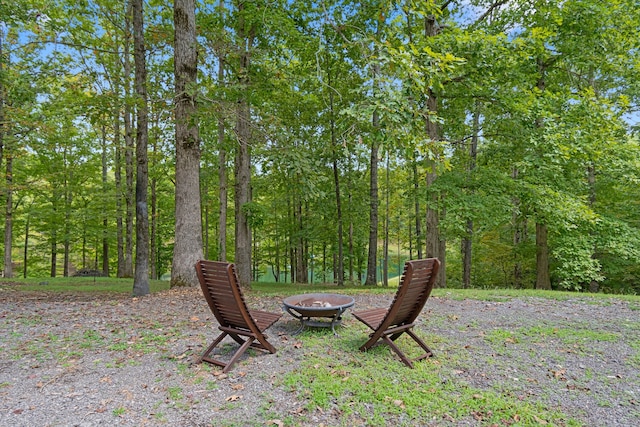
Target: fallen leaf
{"x":278,"y":423}
{"x":399,"y":403}
{"x":238,"y":387}
{"x":233,"y":398}
{"x":540,"y":420}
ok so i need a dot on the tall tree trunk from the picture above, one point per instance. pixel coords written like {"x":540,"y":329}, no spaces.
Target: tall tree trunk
{"x":153,"y":238}
{"x":54,"y":246}
{"x":25,"y":252}
{"x":188,"y":235}
{"x":385,"y":251}
{"x":67,"y":221}
{"x":8,"y":214}
{"x":519,"y":231}
{"x":246,"y":35}
{"x":416,"y":203}
{"x":336,"y":184}
{"x":436,"y":247}
{"x":299,"y":243}
{"x":594,"y":286}
{"x":468,"y":239}
{"x":222,"y":175}
{"x":141,"y":279}
{"x":372,"y":257}
{"x":129,"y":150}
{"x":543,"y":279}
{"x":119,"y":194}
{"x":105,"y":219}
{"x":8,"y":271}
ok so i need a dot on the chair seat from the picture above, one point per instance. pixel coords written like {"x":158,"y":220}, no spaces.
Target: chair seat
{"x":372,"y":317}
{"x":264,"y":319}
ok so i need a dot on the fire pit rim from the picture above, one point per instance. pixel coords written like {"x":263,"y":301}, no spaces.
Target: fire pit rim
{"x":293,"y":301}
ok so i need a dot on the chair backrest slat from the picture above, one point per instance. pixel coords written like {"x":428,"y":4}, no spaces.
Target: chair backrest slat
{"x":222,"y":292}
{"x":415,"y":287}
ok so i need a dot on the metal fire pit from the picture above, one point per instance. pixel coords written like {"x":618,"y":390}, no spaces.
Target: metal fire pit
{"x":307,"y":306}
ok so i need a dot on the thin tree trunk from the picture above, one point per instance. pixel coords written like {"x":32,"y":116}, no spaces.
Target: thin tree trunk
{"x":519,"y":225}
{"x":129,"y":150}
{"x":8,"y":215}
{"x":105,"y":219}
{"x":25,"y":252}
{"x":141,"y":279}
{"x":336,"y":183}
{"x":54,"y":251}
{"x":543,"y":279}
{"x":119,"y":195}
{"x":188,"y":235}
{"x":153,"y":238}
{"x":385,"y":256}
{"x":468,"y":239}
{"x":8,"y":271}
{"x":67,"y":224}
{"x":416,"y":197}
{"x":222,"y":176}
{"x":594,"y":286}
{"x":243,"y":154}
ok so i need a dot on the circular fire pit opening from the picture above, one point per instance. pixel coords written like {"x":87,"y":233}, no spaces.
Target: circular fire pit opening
{"x":304,"y":307}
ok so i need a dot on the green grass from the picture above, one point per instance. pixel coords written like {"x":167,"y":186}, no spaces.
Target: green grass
{"x":125,"y":286}
{"x":375,"y":389}
{"x":80,"y":284}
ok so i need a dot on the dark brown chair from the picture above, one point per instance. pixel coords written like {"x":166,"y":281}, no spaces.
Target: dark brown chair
{"x":388,"y":324}
{"x":220,"y":287}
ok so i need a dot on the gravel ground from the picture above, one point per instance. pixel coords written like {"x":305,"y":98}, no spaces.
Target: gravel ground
{"x":80,"y":360}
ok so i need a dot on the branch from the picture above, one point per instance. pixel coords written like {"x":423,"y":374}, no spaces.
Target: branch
{"x":490,"y":11}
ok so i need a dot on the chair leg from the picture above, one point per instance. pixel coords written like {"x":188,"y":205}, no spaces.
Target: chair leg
{"x":213,"y":345}
{"x":428,"y":352}
{"x":237,"y":355}
{"x":395,"y":348}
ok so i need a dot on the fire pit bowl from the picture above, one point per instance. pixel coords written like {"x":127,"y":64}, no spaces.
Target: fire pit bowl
{"x":304,"y":307}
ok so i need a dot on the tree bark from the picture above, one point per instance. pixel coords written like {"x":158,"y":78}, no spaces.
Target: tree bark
{"x":385,"y":245}
{"x":8,"y":215}
{"x":543,"y":281}
{"x":222,"y":175}
{"x":243,"y":153}
{"x":468,"y":239}
{"x":416,"y":203}
{"x":436,"y":247}
{"x":129,"y":150}
{"x":141,"y":278}
{"x":188,"y":234}
{"x":105,"y":219}
{"x":336,"y":182}
{"x":594,"y":286}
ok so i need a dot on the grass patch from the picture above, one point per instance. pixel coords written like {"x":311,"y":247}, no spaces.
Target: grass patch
{"x":375,"y":389}
{"x":79,"y":284}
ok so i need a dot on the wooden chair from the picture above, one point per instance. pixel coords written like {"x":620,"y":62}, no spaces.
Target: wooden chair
{"x":388,"y":324}
{"x":220,"y":287}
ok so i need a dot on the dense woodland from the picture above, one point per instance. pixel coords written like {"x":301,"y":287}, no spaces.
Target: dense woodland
{"x":323,"y":141}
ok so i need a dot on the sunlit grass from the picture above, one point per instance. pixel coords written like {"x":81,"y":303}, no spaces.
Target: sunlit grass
{"x":374,"y":388}
{"x":80,"y":284}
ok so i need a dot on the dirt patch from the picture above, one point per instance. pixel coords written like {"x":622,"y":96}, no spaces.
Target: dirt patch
{"x":105,"y":359}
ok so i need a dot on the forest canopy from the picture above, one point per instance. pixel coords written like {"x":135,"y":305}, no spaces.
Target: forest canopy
{"x":332,"y":140}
